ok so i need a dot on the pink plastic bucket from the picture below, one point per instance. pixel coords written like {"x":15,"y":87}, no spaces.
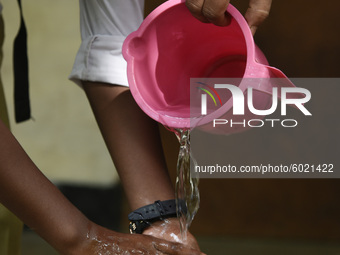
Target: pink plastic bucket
{"x":171,"y":46}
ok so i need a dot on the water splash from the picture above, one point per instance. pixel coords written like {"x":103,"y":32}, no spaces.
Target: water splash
{"x":186,"y":183}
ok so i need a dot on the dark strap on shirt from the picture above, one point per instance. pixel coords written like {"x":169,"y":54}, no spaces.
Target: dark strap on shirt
{"x":20,"y":62}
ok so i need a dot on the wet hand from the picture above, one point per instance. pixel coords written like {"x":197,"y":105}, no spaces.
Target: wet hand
{"x":104,"y":241}
{"x":213,"y":11}
{"x":169,"y":230}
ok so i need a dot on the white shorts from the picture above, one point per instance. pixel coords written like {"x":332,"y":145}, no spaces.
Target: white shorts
{"x":104,"y":25}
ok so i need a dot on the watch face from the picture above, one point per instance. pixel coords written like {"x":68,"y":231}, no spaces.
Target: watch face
{"x":138,"y":227}
{"x":132,"y":227}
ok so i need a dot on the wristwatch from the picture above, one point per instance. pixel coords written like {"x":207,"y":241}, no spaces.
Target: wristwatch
{"x":143,"y":217}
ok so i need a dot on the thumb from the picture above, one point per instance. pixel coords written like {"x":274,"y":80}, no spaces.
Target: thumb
{"x":257,"y":12}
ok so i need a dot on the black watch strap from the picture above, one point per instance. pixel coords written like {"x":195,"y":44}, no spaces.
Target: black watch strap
{"x":143,"y":217}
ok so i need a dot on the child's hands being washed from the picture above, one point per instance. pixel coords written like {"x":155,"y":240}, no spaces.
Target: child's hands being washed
{"x":169,"y":229}
{"x":104,"y":241}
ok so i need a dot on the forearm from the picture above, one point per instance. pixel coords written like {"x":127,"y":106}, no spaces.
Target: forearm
{"x":34,"y":199}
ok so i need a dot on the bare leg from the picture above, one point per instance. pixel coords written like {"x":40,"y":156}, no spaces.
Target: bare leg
{"x":133,"y":141}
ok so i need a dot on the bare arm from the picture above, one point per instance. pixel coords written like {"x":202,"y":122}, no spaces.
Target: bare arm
{"x":33,"y":198}
{"x":38,"y":203}
{"x":134,"y":143}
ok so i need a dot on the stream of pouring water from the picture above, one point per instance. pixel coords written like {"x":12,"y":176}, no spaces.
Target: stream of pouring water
{"x":186,"y":183}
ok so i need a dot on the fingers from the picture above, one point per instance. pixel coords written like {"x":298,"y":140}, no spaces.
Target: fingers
{"x":213,"y":11}
{"x":257,"y":12}
{"x":175,"y":249}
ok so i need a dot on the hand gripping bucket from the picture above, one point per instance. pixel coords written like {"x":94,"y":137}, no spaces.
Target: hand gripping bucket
{"x":171,"y":46}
